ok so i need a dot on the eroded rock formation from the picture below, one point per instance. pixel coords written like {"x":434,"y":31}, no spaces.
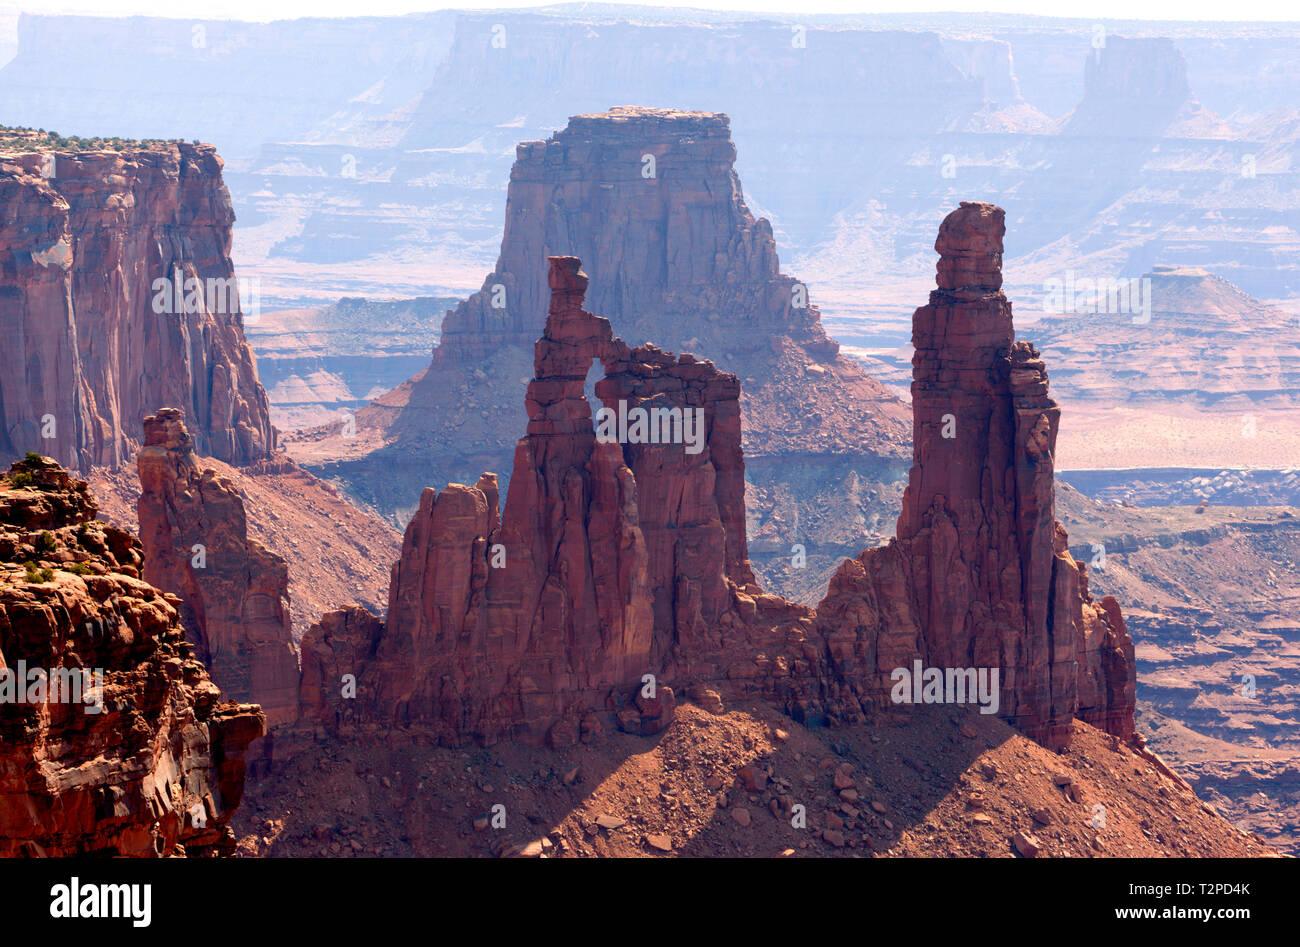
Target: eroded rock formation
{"x":234,"y":592}
{"x":610,"y":560}
{"x":133,"y":751}
{"x":90,"y":343}
{"x":650,"y":200}
{"x":979,"y":575}
{"x":617,"y":558}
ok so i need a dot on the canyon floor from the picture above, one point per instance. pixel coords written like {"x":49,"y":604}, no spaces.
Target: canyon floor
{"x":1211,"y":600}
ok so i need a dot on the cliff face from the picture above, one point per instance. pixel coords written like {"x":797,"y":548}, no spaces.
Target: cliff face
{"x":616,"y":558}
{"x":91,"y":344}
{"x":980,"y":575}
{"x":133,"y":752}
{"x":234,"y":592}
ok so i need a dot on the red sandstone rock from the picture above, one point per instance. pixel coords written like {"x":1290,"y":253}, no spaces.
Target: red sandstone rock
{"x":87,"y":355}
{"x":160,"y":769}
{"x":234,"y":592}
{"x":979,"y":574}
{"x":623,"y":559}
{"x":616,"y":560}
{"x":337,"y":646}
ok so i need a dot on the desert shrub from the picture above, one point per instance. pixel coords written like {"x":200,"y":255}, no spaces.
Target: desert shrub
{"x":38,"y":574}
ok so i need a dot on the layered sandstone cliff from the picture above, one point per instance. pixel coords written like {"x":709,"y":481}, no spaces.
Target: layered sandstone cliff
{"x":117,"y":298}
{"x":615,"y":558}
{"x":234,"y":592}
{"x":133,"y":751}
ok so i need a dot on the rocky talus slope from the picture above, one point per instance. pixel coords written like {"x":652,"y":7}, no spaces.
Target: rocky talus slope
{"x":117,"y":298}
{"x":134,"y":751}
{"x":740,"y":781}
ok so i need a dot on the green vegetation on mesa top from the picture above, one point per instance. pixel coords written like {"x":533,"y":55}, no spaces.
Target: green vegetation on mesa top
{"x":16,"y":139}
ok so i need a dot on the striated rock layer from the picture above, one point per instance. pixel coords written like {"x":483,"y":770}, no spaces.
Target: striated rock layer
{"x":234,"y":592}
{"x":88,"y":344}
{"x":618,"y":559}
{"x":138,"y":757}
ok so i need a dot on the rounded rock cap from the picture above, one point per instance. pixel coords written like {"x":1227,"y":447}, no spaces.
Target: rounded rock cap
{"x":970,"y":248}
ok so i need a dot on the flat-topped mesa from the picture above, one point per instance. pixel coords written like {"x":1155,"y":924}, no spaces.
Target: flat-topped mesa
{"x":651,"y":202}
{"x":616,"y":555}
{"x":650,"y":199}
{"x":90,"y":355}
{"x":979,"y":574}
{"x":234,"y":592}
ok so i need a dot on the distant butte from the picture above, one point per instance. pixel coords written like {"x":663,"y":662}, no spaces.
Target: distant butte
{"x":651,"y":202}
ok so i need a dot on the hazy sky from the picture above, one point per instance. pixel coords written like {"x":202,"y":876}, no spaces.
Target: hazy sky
{"x":289,"y":9}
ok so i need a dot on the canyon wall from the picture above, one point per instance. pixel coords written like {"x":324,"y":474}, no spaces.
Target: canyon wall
{"x":982,"y":92}
{"x":91,"y":345}
{"x":617,"y":559}
{"x":234,"y":592}
{"x":144,"y":758}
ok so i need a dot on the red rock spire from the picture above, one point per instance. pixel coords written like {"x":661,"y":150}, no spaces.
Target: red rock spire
{"x":234,"y":592}
{"x":992,"y":584}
